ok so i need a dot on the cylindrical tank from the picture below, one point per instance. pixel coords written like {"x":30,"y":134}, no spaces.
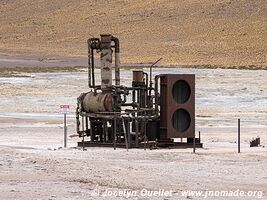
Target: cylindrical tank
{"x":106,"y":61}
{"x":106,"y":68}
{"x":138,"y":76}
{"x":97,"y":102}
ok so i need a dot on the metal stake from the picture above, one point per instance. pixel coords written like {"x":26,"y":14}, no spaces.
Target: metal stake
{"x":65,"y":130}
{"x":238,"y":136}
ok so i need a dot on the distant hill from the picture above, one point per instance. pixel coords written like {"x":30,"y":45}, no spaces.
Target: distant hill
{"x":185,"y":32}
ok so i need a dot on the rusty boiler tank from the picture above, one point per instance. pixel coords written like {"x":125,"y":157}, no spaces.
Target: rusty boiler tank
{"x":96,"y":102}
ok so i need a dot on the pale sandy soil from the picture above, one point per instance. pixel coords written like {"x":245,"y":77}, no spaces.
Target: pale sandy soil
{"x":33,"y":166}
{"x":74,"y":174}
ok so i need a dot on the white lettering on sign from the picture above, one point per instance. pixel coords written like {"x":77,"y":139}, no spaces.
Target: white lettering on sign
{"x":64,"y":109}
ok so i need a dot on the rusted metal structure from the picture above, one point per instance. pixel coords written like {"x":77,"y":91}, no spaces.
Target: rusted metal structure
{"x":154,"y":116}
{"x":177,"y":105}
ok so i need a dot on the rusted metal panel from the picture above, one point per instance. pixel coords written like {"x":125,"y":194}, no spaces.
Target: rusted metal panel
{"x":177,"y":106}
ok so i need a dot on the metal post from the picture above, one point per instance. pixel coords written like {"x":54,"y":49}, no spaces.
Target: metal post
{"x":115,"y":132}
{"x":199,"y":136}
{"x":136,"y":133}
{"x":238,"y":136}
{"x":83,"y":130}
{"x":146,"y":140}
{"x":128,"y":134}
{"x":105,"y":130}
{"x":86,"y":124}
{"x":124,"y":126}
{"x":194,"y":143}
{"x":65,"y":130}
{"x":91,"y":131}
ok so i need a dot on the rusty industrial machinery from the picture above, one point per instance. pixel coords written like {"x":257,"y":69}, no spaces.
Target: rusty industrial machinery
{"x":147,"y":114}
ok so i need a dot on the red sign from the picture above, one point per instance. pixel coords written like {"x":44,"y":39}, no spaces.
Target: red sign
{"x":64,"y":109}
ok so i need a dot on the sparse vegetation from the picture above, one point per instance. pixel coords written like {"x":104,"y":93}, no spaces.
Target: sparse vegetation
{"x":185,"y":32}
{"x":20,"y":71}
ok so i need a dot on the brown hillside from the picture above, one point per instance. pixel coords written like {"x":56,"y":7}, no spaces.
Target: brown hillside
{"x":187,"y":32}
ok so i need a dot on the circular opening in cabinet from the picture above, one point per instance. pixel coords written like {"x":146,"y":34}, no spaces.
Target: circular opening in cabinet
{"x":181,"y":120}
{"x":181,"y":91}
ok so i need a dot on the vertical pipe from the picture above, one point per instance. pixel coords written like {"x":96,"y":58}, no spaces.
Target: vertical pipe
{"x":117,"y":69}
{"x":156,"y":94}
{"x":117,"y":60}
{"x":86,"y":124}
{"x":115,"y":132}
{"x":91,"y":131}
{"x":138,"y":98}
{"x":124,"y":126}
{"x":65,"y":130}
{"x":146,"y":141}
{"x":105,"y":130}
{"x":83,"y":130}
{"x":194,"y":143}
{"x":106,"y":61}
{"x":133,"y":96}
{"x":91,"y":75}
{"x":136,"y":133}
{"x":106,"y":68}
{"x":128,"y":133}
{"x":89,"y":62}
{"x":93,"y":68}
{"x":146,"y":79}
{"x":238,"y":136}
{"x":101,"y":132}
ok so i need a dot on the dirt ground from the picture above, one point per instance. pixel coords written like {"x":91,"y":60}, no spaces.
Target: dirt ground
{"x":74,"y":174}
{"x":183,"y":32}
{"x":33,"y":164}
